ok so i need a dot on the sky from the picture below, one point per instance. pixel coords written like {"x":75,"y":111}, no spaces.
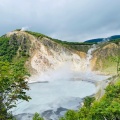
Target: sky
{"x":68,"y":20}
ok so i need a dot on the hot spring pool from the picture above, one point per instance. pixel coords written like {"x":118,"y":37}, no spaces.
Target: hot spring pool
{"x":53,"y":98}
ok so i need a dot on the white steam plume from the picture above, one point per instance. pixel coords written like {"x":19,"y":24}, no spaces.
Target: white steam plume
{"x":25,"y":28}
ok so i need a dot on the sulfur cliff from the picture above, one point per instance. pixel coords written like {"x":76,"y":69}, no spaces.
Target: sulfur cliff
{"x":45,"y":54}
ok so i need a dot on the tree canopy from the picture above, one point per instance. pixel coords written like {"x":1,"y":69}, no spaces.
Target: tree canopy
{"x":12,"y":73}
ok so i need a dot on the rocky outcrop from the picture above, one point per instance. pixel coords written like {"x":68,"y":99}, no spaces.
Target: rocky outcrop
{"x":102,"y":59}
{"x":45,"y":54}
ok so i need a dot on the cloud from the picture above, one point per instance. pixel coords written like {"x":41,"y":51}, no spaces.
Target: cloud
{"x":70,"y":20}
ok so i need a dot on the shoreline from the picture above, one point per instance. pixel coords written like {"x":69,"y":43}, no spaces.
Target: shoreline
{"x":102,"y":85}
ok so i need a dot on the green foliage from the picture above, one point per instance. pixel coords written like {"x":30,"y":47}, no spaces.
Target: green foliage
{"x":8,"y":48}
{"x":107,"y":108}
{"x":71,"y":43}
{"x":88,"y":101}
{"x":37,"y":117}
{"x":13,"y":85}
{"x":70,"y":115}
{"x":17,"y":29}
{"x":116,"y":59}
{"x":116,"y":41}
{"x":107,"y":58}
{"x":38,"y":35}
{"x":12,"y":77}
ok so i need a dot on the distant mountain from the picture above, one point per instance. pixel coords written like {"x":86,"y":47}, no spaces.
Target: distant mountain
{"x":114,"y":37}
{"x":94,"y":40}
{"x":103,"y":39}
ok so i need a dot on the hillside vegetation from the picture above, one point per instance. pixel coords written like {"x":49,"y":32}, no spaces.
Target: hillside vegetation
{"x":12,"y":75}
{"x":106,"y":58}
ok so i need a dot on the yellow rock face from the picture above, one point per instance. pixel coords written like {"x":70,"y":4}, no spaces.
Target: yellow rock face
{"x":46,"y":54}
{"x":101,"y":57}
{"x":81,"y":54}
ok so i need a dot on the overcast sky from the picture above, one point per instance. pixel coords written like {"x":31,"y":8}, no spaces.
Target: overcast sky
{"x":70,"y":20}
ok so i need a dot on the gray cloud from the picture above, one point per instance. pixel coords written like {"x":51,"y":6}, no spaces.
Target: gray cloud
{"x":71,"y":20}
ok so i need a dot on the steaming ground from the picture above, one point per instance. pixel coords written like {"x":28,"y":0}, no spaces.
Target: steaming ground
{"x":54,"y":93}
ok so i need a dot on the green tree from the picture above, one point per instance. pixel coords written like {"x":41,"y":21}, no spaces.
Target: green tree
{"x":12,"y":77}
{"x":12,"y":88}
{"x":116,"y":59}
{"x":88,"y":101}
{"x":37,"y":117}
{"x":70,"y":115}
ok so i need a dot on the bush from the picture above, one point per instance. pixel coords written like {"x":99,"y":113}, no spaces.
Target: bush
{"x":37,"y":117}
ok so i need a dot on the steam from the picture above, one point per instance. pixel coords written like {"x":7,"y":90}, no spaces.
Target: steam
{"x":67,"y":70}
{"x":62,"y":88}
{"x":106,"y":39}
{"x":64,"y":71}
{"x":25,"y":28}
{"x":89,"y":57}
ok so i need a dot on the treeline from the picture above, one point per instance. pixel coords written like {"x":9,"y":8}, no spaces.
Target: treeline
{"x":117,"y":41}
